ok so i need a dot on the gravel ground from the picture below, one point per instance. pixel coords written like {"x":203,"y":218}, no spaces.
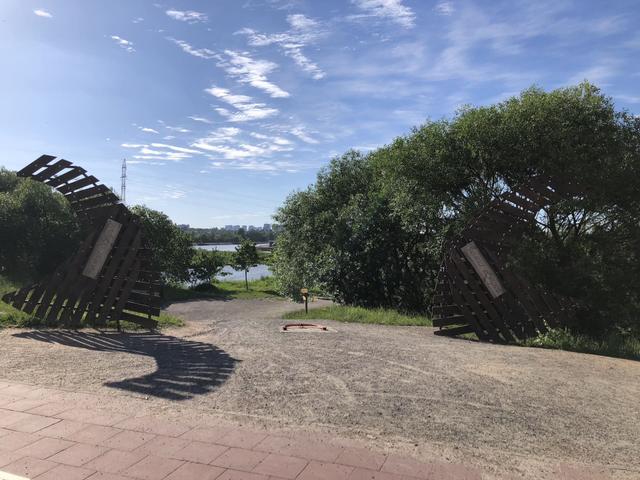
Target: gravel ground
{"x":512,"y":411}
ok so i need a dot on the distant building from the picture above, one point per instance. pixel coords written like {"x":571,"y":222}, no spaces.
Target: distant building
{"x":183,"y":226}
{"x":266,"y":227}
{"x":228,"y":228}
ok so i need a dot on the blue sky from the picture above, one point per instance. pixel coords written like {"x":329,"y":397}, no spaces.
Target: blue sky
{"x":222,"y":108}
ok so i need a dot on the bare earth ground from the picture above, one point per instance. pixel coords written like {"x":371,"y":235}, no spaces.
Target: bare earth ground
{"x":513,"y":412}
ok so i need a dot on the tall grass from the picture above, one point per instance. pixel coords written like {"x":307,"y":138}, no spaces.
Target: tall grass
{"x":613,"y":345}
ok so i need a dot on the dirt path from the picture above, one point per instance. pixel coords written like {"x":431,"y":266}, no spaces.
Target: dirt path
{"x":512,"y":411}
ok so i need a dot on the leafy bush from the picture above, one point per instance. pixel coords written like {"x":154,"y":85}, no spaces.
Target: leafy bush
{"x":38,"y":229}
{"x":370,"y":231}
{"x":172,"y":249}
{"x":205,"y":265}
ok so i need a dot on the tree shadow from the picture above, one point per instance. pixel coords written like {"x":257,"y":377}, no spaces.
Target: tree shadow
{"x":185,"y":368}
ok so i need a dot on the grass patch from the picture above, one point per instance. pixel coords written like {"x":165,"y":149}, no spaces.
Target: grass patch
{"x":9,"y":316}
{"x":615,"y":345}
{"x":378,"y":316}
{"x":225,"y":290}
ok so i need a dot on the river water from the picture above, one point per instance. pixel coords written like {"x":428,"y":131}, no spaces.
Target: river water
{"x":255,"y":273}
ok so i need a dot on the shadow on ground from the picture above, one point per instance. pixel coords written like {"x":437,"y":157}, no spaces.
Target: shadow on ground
{"x":185,"y":368}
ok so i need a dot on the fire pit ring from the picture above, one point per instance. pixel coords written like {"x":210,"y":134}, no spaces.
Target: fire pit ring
{"x":303,"y":327}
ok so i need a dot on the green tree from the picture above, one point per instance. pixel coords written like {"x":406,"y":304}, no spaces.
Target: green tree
{"x":370,"y":231}
{"x":205,"y":266}
{"x":38,"y":229}
{"x":246,"y":256}
{"x":172,"y":249}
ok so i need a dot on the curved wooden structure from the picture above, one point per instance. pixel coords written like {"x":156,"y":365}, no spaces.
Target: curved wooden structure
{"x":478,"y":292}
{"x":109,"y":277}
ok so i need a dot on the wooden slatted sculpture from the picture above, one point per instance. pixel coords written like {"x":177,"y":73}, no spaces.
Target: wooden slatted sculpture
{"x":478,"y":291}
{"x":109,"y":277}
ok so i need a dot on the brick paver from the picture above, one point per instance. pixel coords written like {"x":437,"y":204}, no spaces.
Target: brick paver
{"x":127,"y":440}
{"x":78,"y":454}
{"x":281,"y":466}
{"x":45,"y":438}
{"x":45,"y":447}
{"x":153,"y":468}
{"x":239,"y":459}
{"x":192,"y":471}
{"x":29,"y":467}
{"x":114,"y":461}
{"x":65,"y":472}
{"x":200,"y":452}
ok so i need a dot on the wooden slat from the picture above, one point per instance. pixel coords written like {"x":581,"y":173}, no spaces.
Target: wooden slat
{"x":78,"y":184}
{"x":451,"y":332}
{"x":471,"y":302}
{"x":445,"y":310}
{"x":51,"y":170}
{"x":121,"y":277}
{"x":36,"y":165}
{"x":521,"y":202}
{"x":137,"y":307}
{"x":142,"y":321}
{"x":91,"y":203}
{"x":145,"y":299}
{"x":88,"y":192}
{"x":492,"y":316}
{"x":75,"y":172}
{"x":452,"y":320}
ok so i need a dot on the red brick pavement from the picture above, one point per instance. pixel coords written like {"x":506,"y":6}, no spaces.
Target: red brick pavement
{"x":43,"y":438}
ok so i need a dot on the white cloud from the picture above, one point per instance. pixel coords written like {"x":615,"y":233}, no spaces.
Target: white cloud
{"x":304,"y":31}
{"x":195,"y":118}
{"x":188,"y":16}
{"x":245,"y":69}
{"x":177,"y":129}
{"x":138,"y":20}
{"x":175,"y":148}
{"x":444,"y":8}
{"x":126,"y":44}
{"x":246,"y":109}
{"x":161,"y":151}
{"x":205,"y":53}
{"x":148,"y":130}
{"x":302,"y":134}
{"x":42,"y":13}
{"x":240,"y":66}
{"x":393,"y":10}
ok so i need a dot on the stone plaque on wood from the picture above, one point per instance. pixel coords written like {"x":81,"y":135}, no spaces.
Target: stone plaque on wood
{"x":489,"y":278}
{"x":102,"y":248}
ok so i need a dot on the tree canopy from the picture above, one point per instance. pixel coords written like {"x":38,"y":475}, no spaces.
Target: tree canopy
{"x":38,"y":229}
{"x":370,"y":231}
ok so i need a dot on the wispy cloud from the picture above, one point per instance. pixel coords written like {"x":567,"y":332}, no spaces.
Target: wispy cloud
{"x":148,"y":130}
{"x":303,"y":135}
{"x":444,"y":8}
{"x":195,"y":118}
{"x":177,"y":129}
{"x":205,"y":53}
{"x":392,"y":10}
{"x":126,"y":44}
{"x":245,"y":108}
{"x":188,"y":16}
{"x":304,"y":30}
{"x":245,"y":69}
{"x":42,"y":13}
{"x":240,"y":66}
{"x":161,"y":151}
